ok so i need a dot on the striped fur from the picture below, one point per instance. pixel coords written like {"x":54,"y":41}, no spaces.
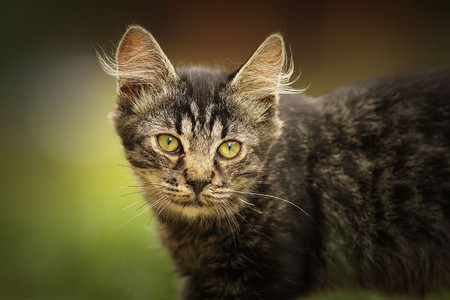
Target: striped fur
{"x":350,"y":188}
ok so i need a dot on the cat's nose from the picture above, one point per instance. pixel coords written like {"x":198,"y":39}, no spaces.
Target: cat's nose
{"x":197,"y":186}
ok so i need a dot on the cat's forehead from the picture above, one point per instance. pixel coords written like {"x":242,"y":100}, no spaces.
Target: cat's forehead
{"x":202,"y":83}
{"x":201,"y":106}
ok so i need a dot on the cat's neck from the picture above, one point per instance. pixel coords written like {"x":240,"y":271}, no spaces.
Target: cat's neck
{"x":193,"y":242}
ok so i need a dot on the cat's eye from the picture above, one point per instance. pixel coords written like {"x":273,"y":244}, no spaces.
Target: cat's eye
{"x":229,"y":149}
{"x":168,"y":143}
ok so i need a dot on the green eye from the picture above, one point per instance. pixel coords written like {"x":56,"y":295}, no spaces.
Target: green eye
{"x":229,"y":149}
{"x":168,"y":143}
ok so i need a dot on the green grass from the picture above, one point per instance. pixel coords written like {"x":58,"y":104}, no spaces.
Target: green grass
{"x":59,"y":236}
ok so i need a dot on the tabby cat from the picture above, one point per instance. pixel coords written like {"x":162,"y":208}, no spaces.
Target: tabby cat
{"x":261,"y":193}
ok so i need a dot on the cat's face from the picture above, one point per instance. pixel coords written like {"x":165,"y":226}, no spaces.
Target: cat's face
{"x":197,"y":139}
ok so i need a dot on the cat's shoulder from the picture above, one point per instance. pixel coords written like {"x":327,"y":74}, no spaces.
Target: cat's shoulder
{"x":406,"y":84}
{"x":419,"y":90}
{"x":414,"y":99}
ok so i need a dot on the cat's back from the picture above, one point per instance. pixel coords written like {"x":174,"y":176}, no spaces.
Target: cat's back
{"x":400,"y":122}
{"x":379,"y":168}
{"x":421,"y":100}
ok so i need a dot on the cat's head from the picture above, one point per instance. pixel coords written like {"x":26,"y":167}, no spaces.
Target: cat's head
{"x":196,"y":138}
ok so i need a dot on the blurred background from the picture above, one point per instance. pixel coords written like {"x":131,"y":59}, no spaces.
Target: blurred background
{"x":71,"y":223}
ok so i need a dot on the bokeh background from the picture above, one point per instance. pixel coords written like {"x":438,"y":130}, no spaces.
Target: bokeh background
{"x":71,"y":223}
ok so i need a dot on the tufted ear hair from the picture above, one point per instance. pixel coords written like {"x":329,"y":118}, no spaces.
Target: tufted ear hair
{"x":263,"y":76}
{"x":140,"y":63}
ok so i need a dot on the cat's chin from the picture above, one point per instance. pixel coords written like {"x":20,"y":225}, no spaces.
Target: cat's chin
{"x":198,"y":206}
{"x":192,"y":211}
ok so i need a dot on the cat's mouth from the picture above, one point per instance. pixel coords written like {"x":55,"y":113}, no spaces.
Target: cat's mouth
{"x":201,"y":205}
{"x":194,"y":201}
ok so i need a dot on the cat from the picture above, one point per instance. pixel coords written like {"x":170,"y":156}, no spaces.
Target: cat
{"x":259,"y":192}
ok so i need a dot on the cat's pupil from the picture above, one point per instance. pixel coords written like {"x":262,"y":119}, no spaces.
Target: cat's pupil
{"x":169,"y":140}
{"x":229,"y":146}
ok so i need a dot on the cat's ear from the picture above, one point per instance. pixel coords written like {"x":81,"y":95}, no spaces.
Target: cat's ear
{"x":142,"y":63}
{"x":260,"y":79}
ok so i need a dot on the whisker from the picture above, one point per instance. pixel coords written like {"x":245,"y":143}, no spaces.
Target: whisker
{"x":177,"y":194}
{"x":251,"y":204}
{"x":227,"y":220}
{"x":146,"y":185}
{"x":123,"y":224}
{"x":274,"y":197}
{"x":156,"y":202}
{"x":126,"y":186}
{"x":143,"y":205}
{"x":128,"y":206}
{"x":128,"y":194}
{"x":143,"y":185}
{"x":246,"y":202}
{"x":219,"y":222}
{"x":231,"y":213}
{"x":244,"y":219}
{"x":160,"y":211}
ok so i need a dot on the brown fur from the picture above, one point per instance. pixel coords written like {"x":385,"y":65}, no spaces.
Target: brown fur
{"x":353,"y":184}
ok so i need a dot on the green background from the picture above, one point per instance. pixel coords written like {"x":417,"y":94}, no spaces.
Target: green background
{"x":71,"y":223}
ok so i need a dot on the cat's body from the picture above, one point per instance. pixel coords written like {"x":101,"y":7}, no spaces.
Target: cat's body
{"x":353,"y":190}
